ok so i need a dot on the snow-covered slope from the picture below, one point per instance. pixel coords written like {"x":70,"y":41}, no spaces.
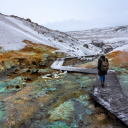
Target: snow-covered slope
{"x":13,"y":30}
{"x":115,"y":38}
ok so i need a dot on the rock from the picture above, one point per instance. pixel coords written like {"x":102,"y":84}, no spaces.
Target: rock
{"x":50,"y":90}
{"x":2,"y":68}
{"x":46,"y":55}
{"x":24,"y":84}
{"x":44,"y":71}
{"x":17,"y":87}
{"x":34,"y":71}
{"x":34,"y":63}
{"x":126,"y":71}
{"x":92,"y":107}
{"x":48,"y":75}
{"x":88,"y":111}
{"x":85,"y":45}
{"x":12,"y":124}
{"x":7,"y":87}
{"x":63,"y":112}
{"x":18,"y":98}
{"x":42,"y":64}
{"x":107,"y":48}
{"x":84,"y":97}
{"x":40,"y":94}
{"x":28,"y":71}
{"x":85,"y":103}
{"x":28,"y":20}
{"x":101,"y":117}
{"x":98,"y":43}
{"x":28,"y":79}
{"x":60,"y":40}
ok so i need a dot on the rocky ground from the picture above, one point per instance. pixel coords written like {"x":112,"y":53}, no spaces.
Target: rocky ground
{"x":36,"y":96}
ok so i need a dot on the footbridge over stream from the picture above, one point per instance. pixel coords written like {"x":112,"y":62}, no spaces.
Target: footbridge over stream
{"x":110,"y":97}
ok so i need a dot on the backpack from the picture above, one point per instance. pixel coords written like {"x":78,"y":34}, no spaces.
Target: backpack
{"x":104,"y":65}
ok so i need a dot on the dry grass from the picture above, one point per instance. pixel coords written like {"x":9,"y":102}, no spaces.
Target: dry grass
{"x":37,"y":48}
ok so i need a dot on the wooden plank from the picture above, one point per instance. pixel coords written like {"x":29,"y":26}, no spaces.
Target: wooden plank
{"x":110,"y":97}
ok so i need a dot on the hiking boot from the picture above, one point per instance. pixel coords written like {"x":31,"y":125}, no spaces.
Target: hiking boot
{"x":102,"y":85}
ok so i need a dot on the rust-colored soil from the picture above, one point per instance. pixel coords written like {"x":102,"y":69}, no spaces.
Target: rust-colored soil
{"x":118,"y":58}
{"x":31,"y":52}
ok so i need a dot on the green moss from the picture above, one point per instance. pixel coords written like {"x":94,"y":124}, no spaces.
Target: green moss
{"x":85,"y":103}
{"x":63,"y":112}
{"x":84,"y":97}
{"x":2,"y":113}
{"x":88,"y":111}
{"x":57,"y":124}
{"x":46,"y":55}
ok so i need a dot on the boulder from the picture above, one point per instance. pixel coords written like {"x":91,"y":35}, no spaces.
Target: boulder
{"x":85,"y":45}
{"x":98,"y":43}
{"x":28,"y":79}
{"x":34,"y":71}
{"x":107,"y":48}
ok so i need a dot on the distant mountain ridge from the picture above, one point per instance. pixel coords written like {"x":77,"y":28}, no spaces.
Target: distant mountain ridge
{"x":114,"y":37}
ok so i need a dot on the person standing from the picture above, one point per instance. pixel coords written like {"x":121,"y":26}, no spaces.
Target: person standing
{"x":103,"y":66}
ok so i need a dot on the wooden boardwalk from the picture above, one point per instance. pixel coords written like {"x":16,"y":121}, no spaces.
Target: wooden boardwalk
{"x":58,"y":66}
{"x":110,"y":97}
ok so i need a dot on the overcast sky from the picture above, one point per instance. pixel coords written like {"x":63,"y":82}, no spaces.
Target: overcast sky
{"x":68,"y":15}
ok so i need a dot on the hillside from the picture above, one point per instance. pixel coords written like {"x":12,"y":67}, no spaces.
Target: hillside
{"x":113,"y":40}
{"x":115,"y":37}
{"x":14,"y":30}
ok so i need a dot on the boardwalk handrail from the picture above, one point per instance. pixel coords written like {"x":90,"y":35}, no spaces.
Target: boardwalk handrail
{"x":71,"y":57}
{"x":58,"y":65}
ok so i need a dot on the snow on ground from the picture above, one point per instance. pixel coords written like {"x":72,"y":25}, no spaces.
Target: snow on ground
{"x":116,"y":37}
{"x":122,"y":48}
{"x":13,"y":30}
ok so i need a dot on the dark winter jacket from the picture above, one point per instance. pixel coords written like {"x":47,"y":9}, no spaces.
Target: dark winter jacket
{"x":101,"y":73}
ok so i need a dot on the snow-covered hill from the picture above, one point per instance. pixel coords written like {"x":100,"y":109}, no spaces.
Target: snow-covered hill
{"x":13,"y":30}
{"x":114,"y":38}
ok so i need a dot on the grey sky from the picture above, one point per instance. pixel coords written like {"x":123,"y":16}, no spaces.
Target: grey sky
{"x":99,"y":13}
